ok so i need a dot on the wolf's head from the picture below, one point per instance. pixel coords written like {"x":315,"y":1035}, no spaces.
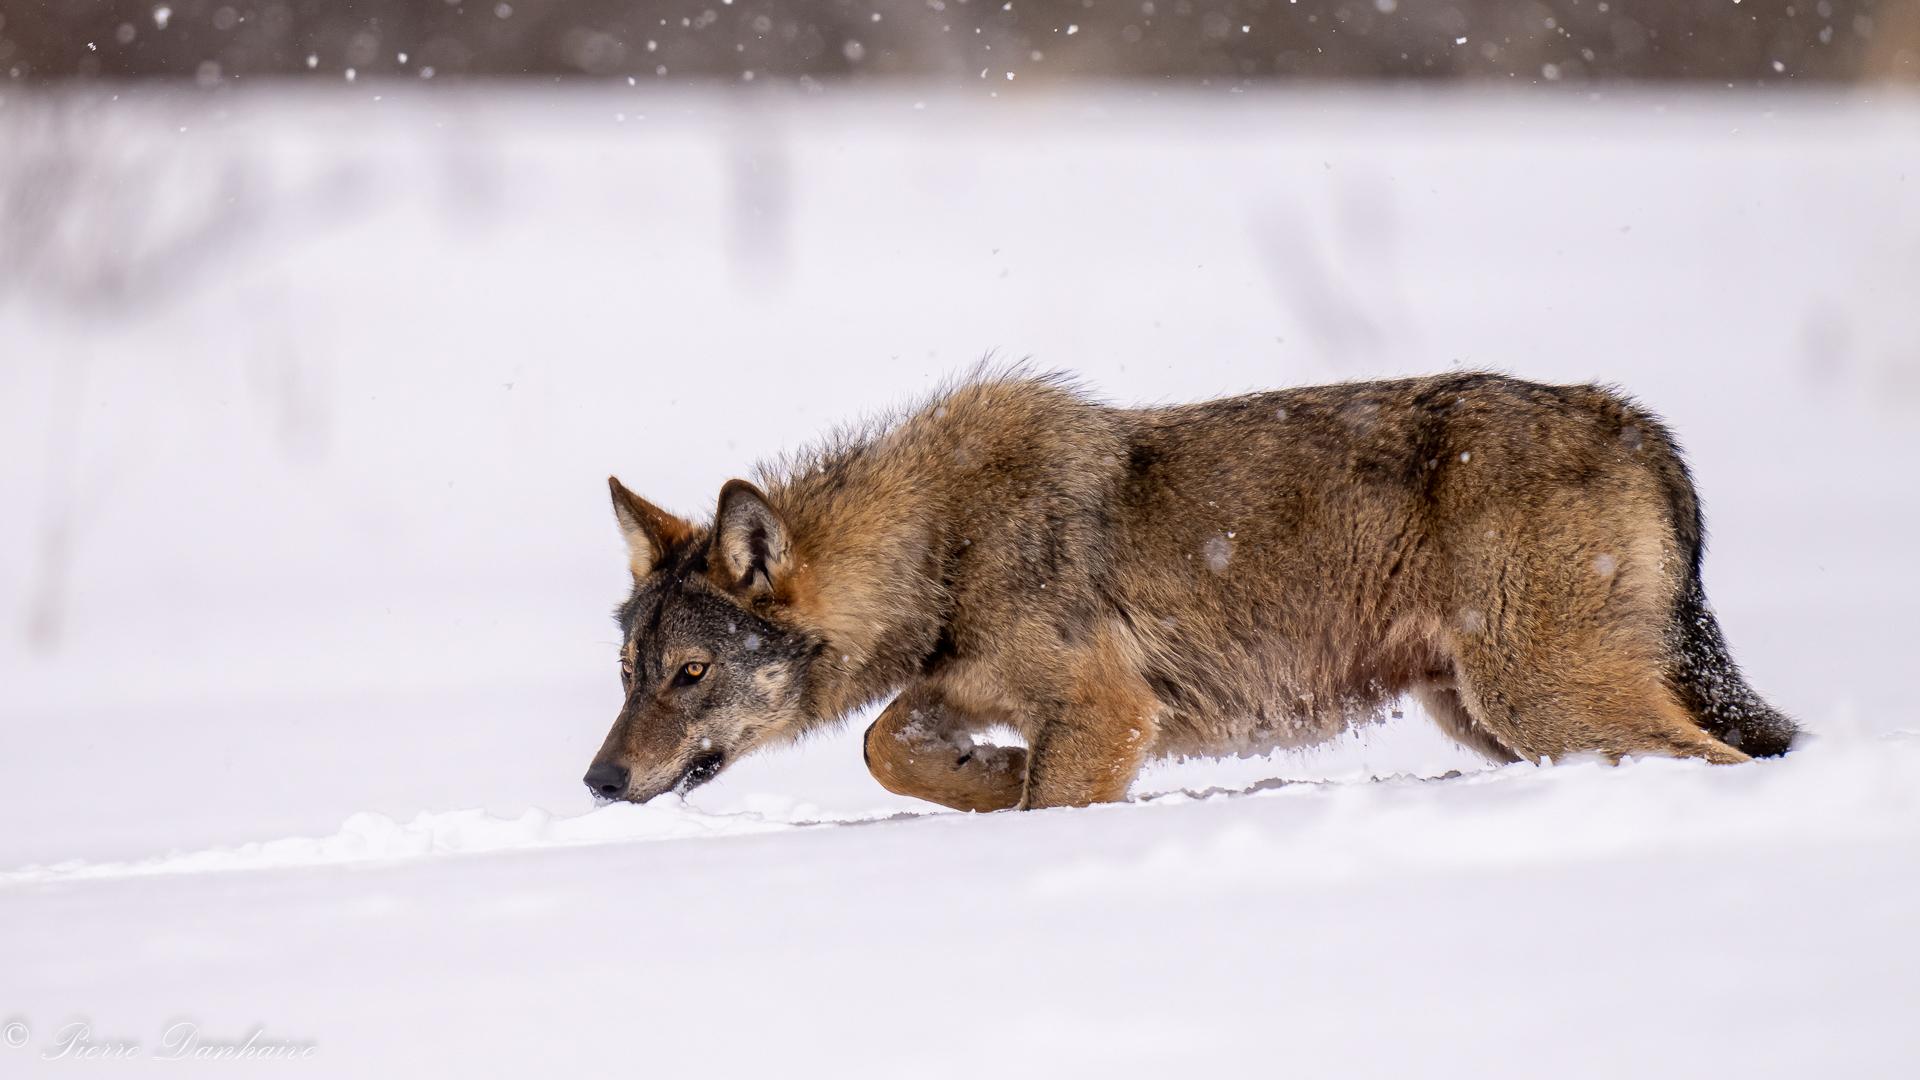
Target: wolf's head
{"x":712,"y":663}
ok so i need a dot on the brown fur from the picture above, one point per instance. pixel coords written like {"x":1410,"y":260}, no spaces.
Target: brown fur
{"x":1225,"y":577}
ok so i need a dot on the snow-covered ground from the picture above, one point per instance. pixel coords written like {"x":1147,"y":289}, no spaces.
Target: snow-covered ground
{"x":317,"y":393}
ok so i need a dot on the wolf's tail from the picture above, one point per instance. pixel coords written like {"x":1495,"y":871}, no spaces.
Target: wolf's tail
{"x":1699,"y":666}
{"x":1711,"y":687}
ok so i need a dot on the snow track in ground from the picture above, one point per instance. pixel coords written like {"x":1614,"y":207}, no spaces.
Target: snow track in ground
{"x":371,"y":838}
{"x":1500,"y":818}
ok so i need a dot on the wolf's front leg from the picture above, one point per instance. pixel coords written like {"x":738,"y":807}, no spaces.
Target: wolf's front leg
{"x":1091,"y":749}
{"x":922,"y":747}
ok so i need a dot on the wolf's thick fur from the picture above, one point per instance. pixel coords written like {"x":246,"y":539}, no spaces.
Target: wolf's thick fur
{"x":1231,"y":576}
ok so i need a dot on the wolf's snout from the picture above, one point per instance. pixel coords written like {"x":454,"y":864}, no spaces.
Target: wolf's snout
{"x":607,"y":780}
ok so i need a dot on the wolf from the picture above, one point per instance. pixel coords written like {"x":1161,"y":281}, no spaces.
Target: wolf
{"x":1117,"y":585}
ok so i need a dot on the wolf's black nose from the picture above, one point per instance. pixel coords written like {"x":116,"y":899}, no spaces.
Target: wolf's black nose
{"x":607,"y":780}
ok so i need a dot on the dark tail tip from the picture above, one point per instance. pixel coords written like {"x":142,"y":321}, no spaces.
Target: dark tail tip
{"x":1711,"y":687}
{"x":1760,"y":731}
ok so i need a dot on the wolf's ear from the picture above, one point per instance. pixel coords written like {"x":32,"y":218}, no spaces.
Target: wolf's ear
{"x":649,"y":530}
{"x":749,"y":540}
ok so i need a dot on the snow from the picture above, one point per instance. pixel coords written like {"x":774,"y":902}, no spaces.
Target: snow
{"x":332,"y":653}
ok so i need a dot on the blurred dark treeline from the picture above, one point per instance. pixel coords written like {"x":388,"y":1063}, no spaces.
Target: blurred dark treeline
{"x":1019,"y":42}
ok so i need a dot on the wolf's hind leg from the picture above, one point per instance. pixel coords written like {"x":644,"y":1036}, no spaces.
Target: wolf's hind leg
{"x":1544,"y":699}
{"x":922,"y":747}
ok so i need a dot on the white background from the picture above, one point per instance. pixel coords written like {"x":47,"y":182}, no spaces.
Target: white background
{"x":330,"y":493}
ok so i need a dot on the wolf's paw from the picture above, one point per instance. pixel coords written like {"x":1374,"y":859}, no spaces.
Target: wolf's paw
{"x":938,"y":764}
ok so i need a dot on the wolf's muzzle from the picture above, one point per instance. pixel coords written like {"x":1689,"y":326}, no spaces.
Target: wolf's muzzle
{"x":607,"y":780}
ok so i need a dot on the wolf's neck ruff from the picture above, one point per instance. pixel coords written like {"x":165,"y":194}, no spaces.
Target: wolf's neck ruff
{"x":884,"y":527}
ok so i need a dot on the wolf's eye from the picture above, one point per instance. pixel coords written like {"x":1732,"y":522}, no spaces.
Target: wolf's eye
{"x":690,"y":674}
{"x":626,"y":670}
